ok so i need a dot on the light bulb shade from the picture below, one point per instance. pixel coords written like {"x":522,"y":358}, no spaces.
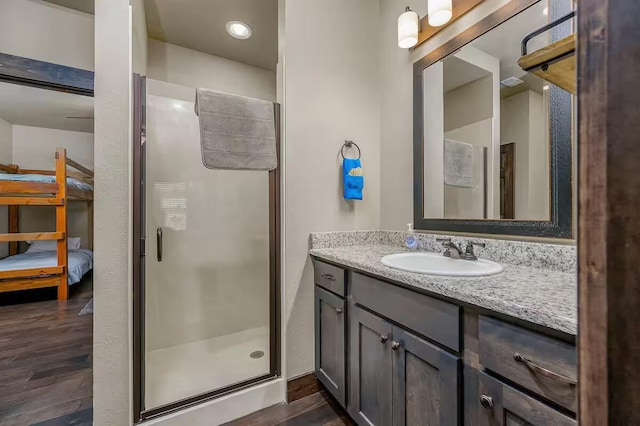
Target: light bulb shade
{"x":408,"y":27}
{"x":439,"y":12}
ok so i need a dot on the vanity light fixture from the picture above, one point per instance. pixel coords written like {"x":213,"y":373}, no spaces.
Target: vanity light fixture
{"x":439,"y":12}
{"x":408,"y":28}
{"x":239,"y":30}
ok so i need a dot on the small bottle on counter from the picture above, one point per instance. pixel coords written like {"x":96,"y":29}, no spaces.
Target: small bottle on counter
{"x":410,"y":241}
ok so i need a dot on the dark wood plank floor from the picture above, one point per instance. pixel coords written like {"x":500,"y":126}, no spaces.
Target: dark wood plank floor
{"x":46,"y":358}
{"x":318,"y":409}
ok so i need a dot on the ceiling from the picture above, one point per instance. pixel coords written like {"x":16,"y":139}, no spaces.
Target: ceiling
{"x":29,"y":106}
{"x":458,"y":72}
{"x":86,"y":6}
{"x":200,"y":25}
{"x":503,"y":42}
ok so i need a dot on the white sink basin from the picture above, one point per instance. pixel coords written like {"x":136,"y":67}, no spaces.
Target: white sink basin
{"x":437,"y":264}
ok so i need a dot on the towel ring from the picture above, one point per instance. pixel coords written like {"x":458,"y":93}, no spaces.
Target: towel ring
{"x":350,"y":144}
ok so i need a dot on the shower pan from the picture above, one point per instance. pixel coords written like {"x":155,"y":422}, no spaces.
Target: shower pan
{"x":206,"y":262}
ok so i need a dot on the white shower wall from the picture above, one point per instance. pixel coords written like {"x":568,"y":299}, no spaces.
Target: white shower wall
{"x":187,"y":67}
{"x":214,"y":276}
{"x":207,"y":302}
{"x":173,"y":73}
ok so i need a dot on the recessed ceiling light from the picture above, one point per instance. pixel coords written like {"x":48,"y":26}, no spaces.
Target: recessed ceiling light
{"x":239,"y":30}
{"x":545,"y":11}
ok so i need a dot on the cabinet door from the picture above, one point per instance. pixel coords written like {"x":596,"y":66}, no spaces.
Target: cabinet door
{"x":426,"y":382}
{"x":370,"y":368}
{"x":330,"y":342}
{"x":498,"y":404}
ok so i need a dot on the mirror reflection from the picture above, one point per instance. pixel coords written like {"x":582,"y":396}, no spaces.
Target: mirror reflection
{"x":486,"y":128}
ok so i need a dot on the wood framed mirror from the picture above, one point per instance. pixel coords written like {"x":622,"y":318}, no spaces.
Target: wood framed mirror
{"x":493,"y":149}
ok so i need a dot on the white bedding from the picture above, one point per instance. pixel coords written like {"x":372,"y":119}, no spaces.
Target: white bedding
{"x":80,"y":262}
{"x":75,"y":183}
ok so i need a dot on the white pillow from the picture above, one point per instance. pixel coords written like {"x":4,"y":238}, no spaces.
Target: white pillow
{"x":38,"y":246}
{"x":73,"y":243}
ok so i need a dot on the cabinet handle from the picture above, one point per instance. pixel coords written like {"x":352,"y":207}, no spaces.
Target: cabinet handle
{"x":383,"y":338}
{"x":486,"y":401}
{"x":328,"y":277}
{"x":395,"y":346}
{"x":543,"y":371}
{"x":339,"y":310}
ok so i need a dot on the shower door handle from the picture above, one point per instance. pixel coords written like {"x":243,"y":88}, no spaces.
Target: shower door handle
{"x":159,"y":244}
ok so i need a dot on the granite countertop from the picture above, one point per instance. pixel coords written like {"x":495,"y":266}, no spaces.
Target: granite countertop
{"x":540,"y":296}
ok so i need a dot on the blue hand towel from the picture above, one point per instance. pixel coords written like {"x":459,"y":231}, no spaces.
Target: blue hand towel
{"x":352,"y":184}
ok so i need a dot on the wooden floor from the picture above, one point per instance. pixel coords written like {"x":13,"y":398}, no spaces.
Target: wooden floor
{"x":318,"y":409}
{"x":45,"y":358}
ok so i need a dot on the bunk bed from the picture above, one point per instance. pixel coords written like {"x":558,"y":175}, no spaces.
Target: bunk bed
{"x":28,"y":187}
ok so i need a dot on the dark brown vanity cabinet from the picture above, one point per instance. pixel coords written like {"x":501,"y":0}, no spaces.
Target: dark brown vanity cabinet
{"x":330,"y":328}
{"x":490,"y":402}
{"x":426,"y":382}
{"x":394,"y":356}
{"x":370,"y":368}
{"x":540,"y":364}
{"x":398,"y":378}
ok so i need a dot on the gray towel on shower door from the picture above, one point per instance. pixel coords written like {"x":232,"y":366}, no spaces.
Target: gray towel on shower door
{"x":236,"y":132}
{"x":458,"y":163}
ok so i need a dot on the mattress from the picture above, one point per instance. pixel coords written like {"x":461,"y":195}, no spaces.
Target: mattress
{"x":80,"y":262}
{"x":74,"y":183}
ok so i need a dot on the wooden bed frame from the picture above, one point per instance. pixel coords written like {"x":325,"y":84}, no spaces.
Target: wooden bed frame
{"x":58,"y":194}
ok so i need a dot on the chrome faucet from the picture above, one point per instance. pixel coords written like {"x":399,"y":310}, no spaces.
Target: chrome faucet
{"x":454,"y":251}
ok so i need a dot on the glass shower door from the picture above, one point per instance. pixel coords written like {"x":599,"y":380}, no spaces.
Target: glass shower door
{"x":208,"y":289}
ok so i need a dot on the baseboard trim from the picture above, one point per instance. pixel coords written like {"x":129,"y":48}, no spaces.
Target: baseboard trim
{"x":303,"y":386}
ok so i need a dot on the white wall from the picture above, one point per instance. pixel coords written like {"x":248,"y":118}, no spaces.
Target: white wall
{"x":396,"y":119}
{"x":112,"y":374}
{"x":523,"y":124}
{"x":539,"y":156}
{"x":186,"y":67}
{"x":6,"y":147}
{"x":34,"y":148}
{"x":332,"y":94}
{"x":433,"y":141}
{"x":39,"y":30}
{"x":515,"y":129}
{"x":467,"y":104}
{"x":490,"y":63}
{"x":470,"y":116}
{"x":468,"y":203}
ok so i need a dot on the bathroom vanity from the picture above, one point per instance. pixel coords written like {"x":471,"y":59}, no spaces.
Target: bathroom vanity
{"x":398,"y":348}
{"x":403,"y":348}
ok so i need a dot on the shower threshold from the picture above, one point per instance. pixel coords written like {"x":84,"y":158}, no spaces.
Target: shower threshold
{"x":176,"y":373}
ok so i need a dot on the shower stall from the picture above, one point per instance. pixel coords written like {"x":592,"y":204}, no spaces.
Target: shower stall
{"x":206,"y":272}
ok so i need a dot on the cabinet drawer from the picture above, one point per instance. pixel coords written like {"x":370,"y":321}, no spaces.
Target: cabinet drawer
{"x":497,"y":404}
{"x":330,"y":277}
{"x":539,"y":363}
{"x":433,"y":318}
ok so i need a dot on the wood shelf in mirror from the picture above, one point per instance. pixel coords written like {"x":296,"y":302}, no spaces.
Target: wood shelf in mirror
{"x":555,"y":63}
